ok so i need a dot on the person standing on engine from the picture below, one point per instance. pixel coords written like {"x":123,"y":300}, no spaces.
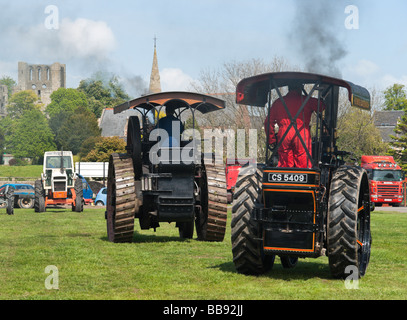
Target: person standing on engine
{"x":292,"y":152}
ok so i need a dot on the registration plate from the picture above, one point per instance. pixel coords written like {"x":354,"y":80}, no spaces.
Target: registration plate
{"x":288,"y":177}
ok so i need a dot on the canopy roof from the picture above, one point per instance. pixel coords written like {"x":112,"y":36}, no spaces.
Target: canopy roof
{"x":200,"y":102}
{"x":254,"y":90}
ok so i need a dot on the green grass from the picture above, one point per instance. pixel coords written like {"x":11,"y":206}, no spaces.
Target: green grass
{"x":161,"y":266}
{"x":20,"y":172}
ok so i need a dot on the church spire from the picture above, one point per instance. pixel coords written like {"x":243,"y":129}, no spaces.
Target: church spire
{"x":155,"y":81}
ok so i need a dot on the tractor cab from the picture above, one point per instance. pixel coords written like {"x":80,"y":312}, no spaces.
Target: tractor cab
{"x":299,"y":209}
{"x":256,"y":91}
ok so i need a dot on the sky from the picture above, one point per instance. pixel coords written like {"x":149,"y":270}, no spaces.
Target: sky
{"x":362,"y":41}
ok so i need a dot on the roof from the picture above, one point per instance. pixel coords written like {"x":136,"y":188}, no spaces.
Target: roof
{"x":178,"y":99}
{"x":254,"y":90}
{"x":386,"y":122}
{"x":58,"y":153}
{"x":114,"y":125}
{"x":387,"y":118}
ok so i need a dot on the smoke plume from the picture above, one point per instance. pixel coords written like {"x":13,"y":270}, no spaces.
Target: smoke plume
{"x":315,"y":35}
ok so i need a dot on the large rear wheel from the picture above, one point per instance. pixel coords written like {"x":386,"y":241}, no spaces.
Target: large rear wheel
{"x":348,"y":233}
{"x":121,"y":199}
{"x":247,"y":249}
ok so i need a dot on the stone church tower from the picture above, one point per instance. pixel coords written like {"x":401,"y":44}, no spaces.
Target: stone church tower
{"x":3,"y":99}
{"x":155,"y":81}
{"x":42,"y":79}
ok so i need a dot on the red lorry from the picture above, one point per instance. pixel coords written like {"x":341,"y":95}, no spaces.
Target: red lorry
{"x":386,"y":180}
{"x":232,"y":169}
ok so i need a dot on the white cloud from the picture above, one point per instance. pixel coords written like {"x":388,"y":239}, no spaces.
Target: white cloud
{"x":388,"y":80}
{"x":85,"y":38}
{"x":173,"y":79}
{"x":366,"y":68}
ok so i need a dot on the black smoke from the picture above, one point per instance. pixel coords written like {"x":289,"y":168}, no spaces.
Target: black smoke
{"x":315,"y":35}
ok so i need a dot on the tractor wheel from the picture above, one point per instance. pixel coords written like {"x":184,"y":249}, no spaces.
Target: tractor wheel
{"x":77,"y":206}
{"x":186,"y":229}
{"x":211,"y":221}
{"x":121,"y":199}
{"x":348,"y":232}
{"x":134,"y":145}
{"x":288,"y":262}
{"x":39,"y":201}
{"x":10,"y":200}
{"x":25,"y":203}
{"x":248,"y":255}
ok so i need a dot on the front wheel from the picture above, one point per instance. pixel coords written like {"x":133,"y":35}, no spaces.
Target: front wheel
{"x":10,"y":200}
{"x":348,"y":233}
{"x":39,"y":200}
{"x":25,"y":203}
{"x":288,"y":262}
{"x":77,"y":206}
{"x":186,"y":229}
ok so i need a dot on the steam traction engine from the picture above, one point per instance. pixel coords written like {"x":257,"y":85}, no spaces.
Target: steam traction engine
{"x":181,"y":187}
{"x":292,"y":212}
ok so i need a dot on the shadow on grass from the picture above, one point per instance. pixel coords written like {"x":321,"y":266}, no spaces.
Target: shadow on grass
{"x":147,"y":238}
{"x":305,"y":269}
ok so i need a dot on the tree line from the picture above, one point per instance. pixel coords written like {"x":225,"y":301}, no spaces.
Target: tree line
{"x":69,"y":122}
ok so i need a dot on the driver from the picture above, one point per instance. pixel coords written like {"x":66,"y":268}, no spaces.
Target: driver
{"x":173,"y":126}
{"x":292,"y":152}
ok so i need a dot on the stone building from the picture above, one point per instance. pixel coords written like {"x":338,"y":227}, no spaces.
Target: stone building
{"x":386,"y":122}
{"x":42,"y":79}
{"x":3,"y":99}
{"x":155,"y":80}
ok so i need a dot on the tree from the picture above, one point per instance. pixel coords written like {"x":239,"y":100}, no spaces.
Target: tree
{"x":355,"y":127}
{"x":395,"y":97}
{"x":1,"y":140}
{"x":399,"y":143}
{"x":10,"y":83}
{"x":66,"y":101}
{"x":103,"y":91}
{"x":22,"y":102}
{"x":104,"y":148}
{"x":76,"y":128}
{"x":64,"y":104}
{"x":31,"y":136}
{"x":358,"y":134}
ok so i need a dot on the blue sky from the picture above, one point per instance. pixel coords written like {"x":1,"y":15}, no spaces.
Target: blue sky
{"x":117,"y":36}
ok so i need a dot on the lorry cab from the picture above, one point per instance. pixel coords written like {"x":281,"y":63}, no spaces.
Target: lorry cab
{"x":386,"y":180}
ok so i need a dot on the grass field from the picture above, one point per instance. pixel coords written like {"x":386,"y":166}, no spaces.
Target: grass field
{"x":20,"y":171}
{"x":161,"y":266}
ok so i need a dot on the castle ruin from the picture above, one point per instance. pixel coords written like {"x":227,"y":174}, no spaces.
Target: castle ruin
{"x":3,"y":99}
{"x":42,"y":79}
